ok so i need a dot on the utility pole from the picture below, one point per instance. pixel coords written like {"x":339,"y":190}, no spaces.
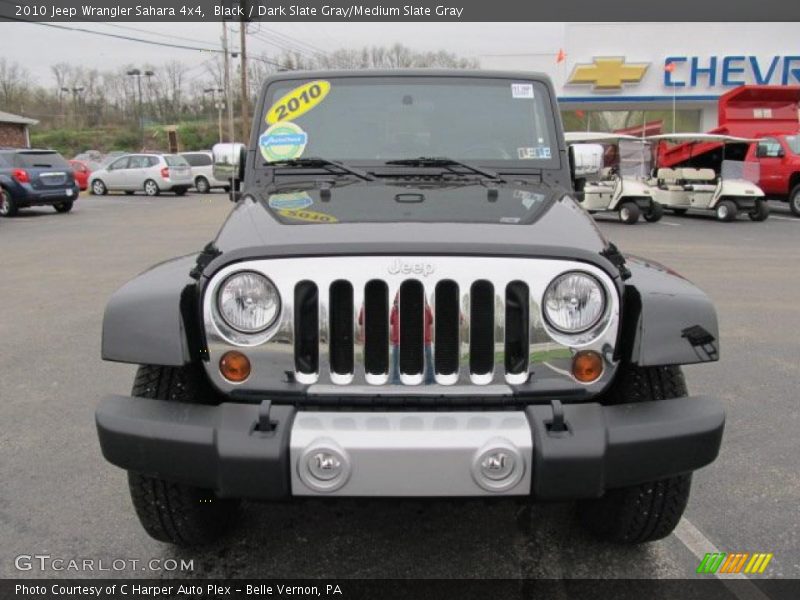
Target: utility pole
{"x":245,"y":95}
{"x":138,"y":74}
{"x":227,"y":82}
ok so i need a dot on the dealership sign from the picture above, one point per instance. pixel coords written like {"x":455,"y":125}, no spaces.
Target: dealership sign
{"x":614,"y":73}
{"x":730,"y":71}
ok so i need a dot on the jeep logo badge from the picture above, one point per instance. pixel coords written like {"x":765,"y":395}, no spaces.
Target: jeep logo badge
{"x":400,"y":267}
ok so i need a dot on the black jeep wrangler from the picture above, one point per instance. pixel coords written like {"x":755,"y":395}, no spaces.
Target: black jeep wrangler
{"x":406,"y":300}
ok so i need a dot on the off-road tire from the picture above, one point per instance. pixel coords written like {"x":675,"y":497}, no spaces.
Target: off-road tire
{"x":172,"y":512}
{"x":649,"y":511}
{"x":202,"y":185}
{"x":760,"y":212}
{"x":99,"y":188}
{"x":794,"y":201}
{"x":151,"y":188}
{"x":726,"y":210}
{"x":655,"y":213}
{"x":8,"y":208}
{"x":63,"y":207}
{"x":629,"y":213}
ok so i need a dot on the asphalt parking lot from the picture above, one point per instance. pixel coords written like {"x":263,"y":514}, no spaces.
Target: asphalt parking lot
{"x":59,"y":497}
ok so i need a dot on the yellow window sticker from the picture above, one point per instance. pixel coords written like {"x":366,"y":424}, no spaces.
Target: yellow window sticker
{"x":298,"y":101}
{"x":310,"y":216}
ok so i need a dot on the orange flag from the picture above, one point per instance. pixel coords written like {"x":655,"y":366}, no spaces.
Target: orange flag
{"x":561,"y":56}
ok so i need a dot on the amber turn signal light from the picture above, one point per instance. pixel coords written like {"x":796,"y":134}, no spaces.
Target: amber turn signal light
{"x":234,"y":366}
{"x":587,"y":366}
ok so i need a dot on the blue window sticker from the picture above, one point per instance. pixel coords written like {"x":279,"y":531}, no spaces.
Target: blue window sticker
{"x":290,"y":201}
{"x":284,"y":140}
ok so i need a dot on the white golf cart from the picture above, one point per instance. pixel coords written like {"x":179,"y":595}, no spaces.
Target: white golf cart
{"x":621,"y":185}
{"x":712,"y":183}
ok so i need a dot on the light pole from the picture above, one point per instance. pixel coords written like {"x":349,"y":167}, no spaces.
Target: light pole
{"x":138,"y":74}
{"x":219,"y":105}
{"x":76,"y":91}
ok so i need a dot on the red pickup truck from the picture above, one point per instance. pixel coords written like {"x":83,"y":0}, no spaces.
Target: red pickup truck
{"x":779,"y":158}
{"x":768,"y":113}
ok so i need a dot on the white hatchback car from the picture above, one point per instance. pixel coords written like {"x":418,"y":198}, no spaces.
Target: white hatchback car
{"x":151,"y":173}
{"x":202,"y":164}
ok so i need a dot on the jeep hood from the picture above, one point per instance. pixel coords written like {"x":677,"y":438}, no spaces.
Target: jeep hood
{"x":376,"y":218}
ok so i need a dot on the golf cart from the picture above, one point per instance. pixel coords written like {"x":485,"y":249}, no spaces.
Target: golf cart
{"x":620,"y":186}
{"x":712,"y":182}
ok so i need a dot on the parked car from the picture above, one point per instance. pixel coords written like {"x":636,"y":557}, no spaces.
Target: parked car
{"x":418,"y":307}
{"x":81,"y":170}
{"x":778,"y":157}
{"x":150,"y":173}
{"x":202,"y":164}
{"x":35,"y":178}
{"x":621,"y":187}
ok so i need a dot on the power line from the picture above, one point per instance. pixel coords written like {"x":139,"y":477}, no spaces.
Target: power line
{"x":133,"y":39}
{"x":172,"y":35}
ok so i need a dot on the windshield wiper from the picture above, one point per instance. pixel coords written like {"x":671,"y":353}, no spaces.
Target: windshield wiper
{"x":314,"y":161}
{"x":442,"y":161}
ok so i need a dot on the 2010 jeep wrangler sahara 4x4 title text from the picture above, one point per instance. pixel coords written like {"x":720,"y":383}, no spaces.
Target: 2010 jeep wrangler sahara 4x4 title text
{"x":407,"y":301}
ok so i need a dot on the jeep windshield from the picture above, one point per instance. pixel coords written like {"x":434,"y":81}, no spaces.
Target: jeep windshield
{"x":385,"y":123}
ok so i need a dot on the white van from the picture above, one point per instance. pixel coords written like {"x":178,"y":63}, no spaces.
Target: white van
{"x":202,"y":169}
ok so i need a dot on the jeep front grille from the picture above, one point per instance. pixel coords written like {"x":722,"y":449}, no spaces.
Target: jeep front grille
{"x":385,"y":322}
{"x":427,"y":340}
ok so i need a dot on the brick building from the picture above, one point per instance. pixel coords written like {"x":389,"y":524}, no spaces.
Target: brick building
{"x":14,"y":130}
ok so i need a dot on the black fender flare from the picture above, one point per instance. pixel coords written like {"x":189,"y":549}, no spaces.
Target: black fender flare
{"x":152,"y":319}
{"x":667,"y":320}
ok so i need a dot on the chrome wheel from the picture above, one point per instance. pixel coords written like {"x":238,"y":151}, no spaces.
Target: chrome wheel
{"x":98,"y":188}
{"x":151,"y":188}
{"x":201,"y":185}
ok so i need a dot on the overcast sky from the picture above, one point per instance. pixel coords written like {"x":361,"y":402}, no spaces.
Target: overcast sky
{"x":37,"y":47}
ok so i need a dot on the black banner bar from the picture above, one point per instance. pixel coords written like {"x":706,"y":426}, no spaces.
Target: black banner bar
{"x":393,"y":10}
{"x":702,"y":588}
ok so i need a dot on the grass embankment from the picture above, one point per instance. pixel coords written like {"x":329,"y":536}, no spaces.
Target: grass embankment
{"x":192,"y":135}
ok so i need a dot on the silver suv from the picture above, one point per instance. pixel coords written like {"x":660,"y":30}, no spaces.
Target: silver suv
{"x":151,"y":173}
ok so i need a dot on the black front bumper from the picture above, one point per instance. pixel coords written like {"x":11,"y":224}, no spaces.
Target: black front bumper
{"x":222,"y":448}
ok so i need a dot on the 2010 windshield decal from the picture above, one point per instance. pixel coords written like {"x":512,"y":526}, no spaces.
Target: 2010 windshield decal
{"x":298,"y":101}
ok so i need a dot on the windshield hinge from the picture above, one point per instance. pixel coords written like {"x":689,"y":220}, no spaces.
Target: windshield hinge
{"x":616,"y":258}
{"x":209,"y":253}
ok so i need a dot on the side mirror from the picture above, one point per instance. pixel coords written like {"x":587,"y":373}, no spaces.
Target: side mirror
{"x":229,"y":164}
{"x":585,"y":159}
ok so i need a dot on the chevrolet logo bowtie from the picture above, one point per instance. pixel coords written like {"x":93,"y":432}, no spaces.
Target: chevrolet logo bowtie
{"x":608,"y":73}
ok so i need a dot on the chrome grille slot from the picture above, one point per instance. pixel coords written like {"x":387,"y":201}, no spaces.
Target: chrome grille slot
{"x":341,"y":328}
{"x":411,"y":331}
{"x":306,"y":328}
{"x":446,"y":325}
{"x":375,"y":319}
{"x":481,"y":325}
{"x":516,"y":328}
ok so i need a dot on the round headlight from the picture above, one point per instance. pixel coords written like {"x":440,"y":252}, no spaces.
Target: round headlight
{"x":574,"y":302}
{"x":249,"y":302}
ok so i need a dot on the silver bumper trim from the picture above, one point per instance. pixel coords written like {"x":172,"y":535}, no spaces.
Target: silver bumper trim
{"x":411,"y":454}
